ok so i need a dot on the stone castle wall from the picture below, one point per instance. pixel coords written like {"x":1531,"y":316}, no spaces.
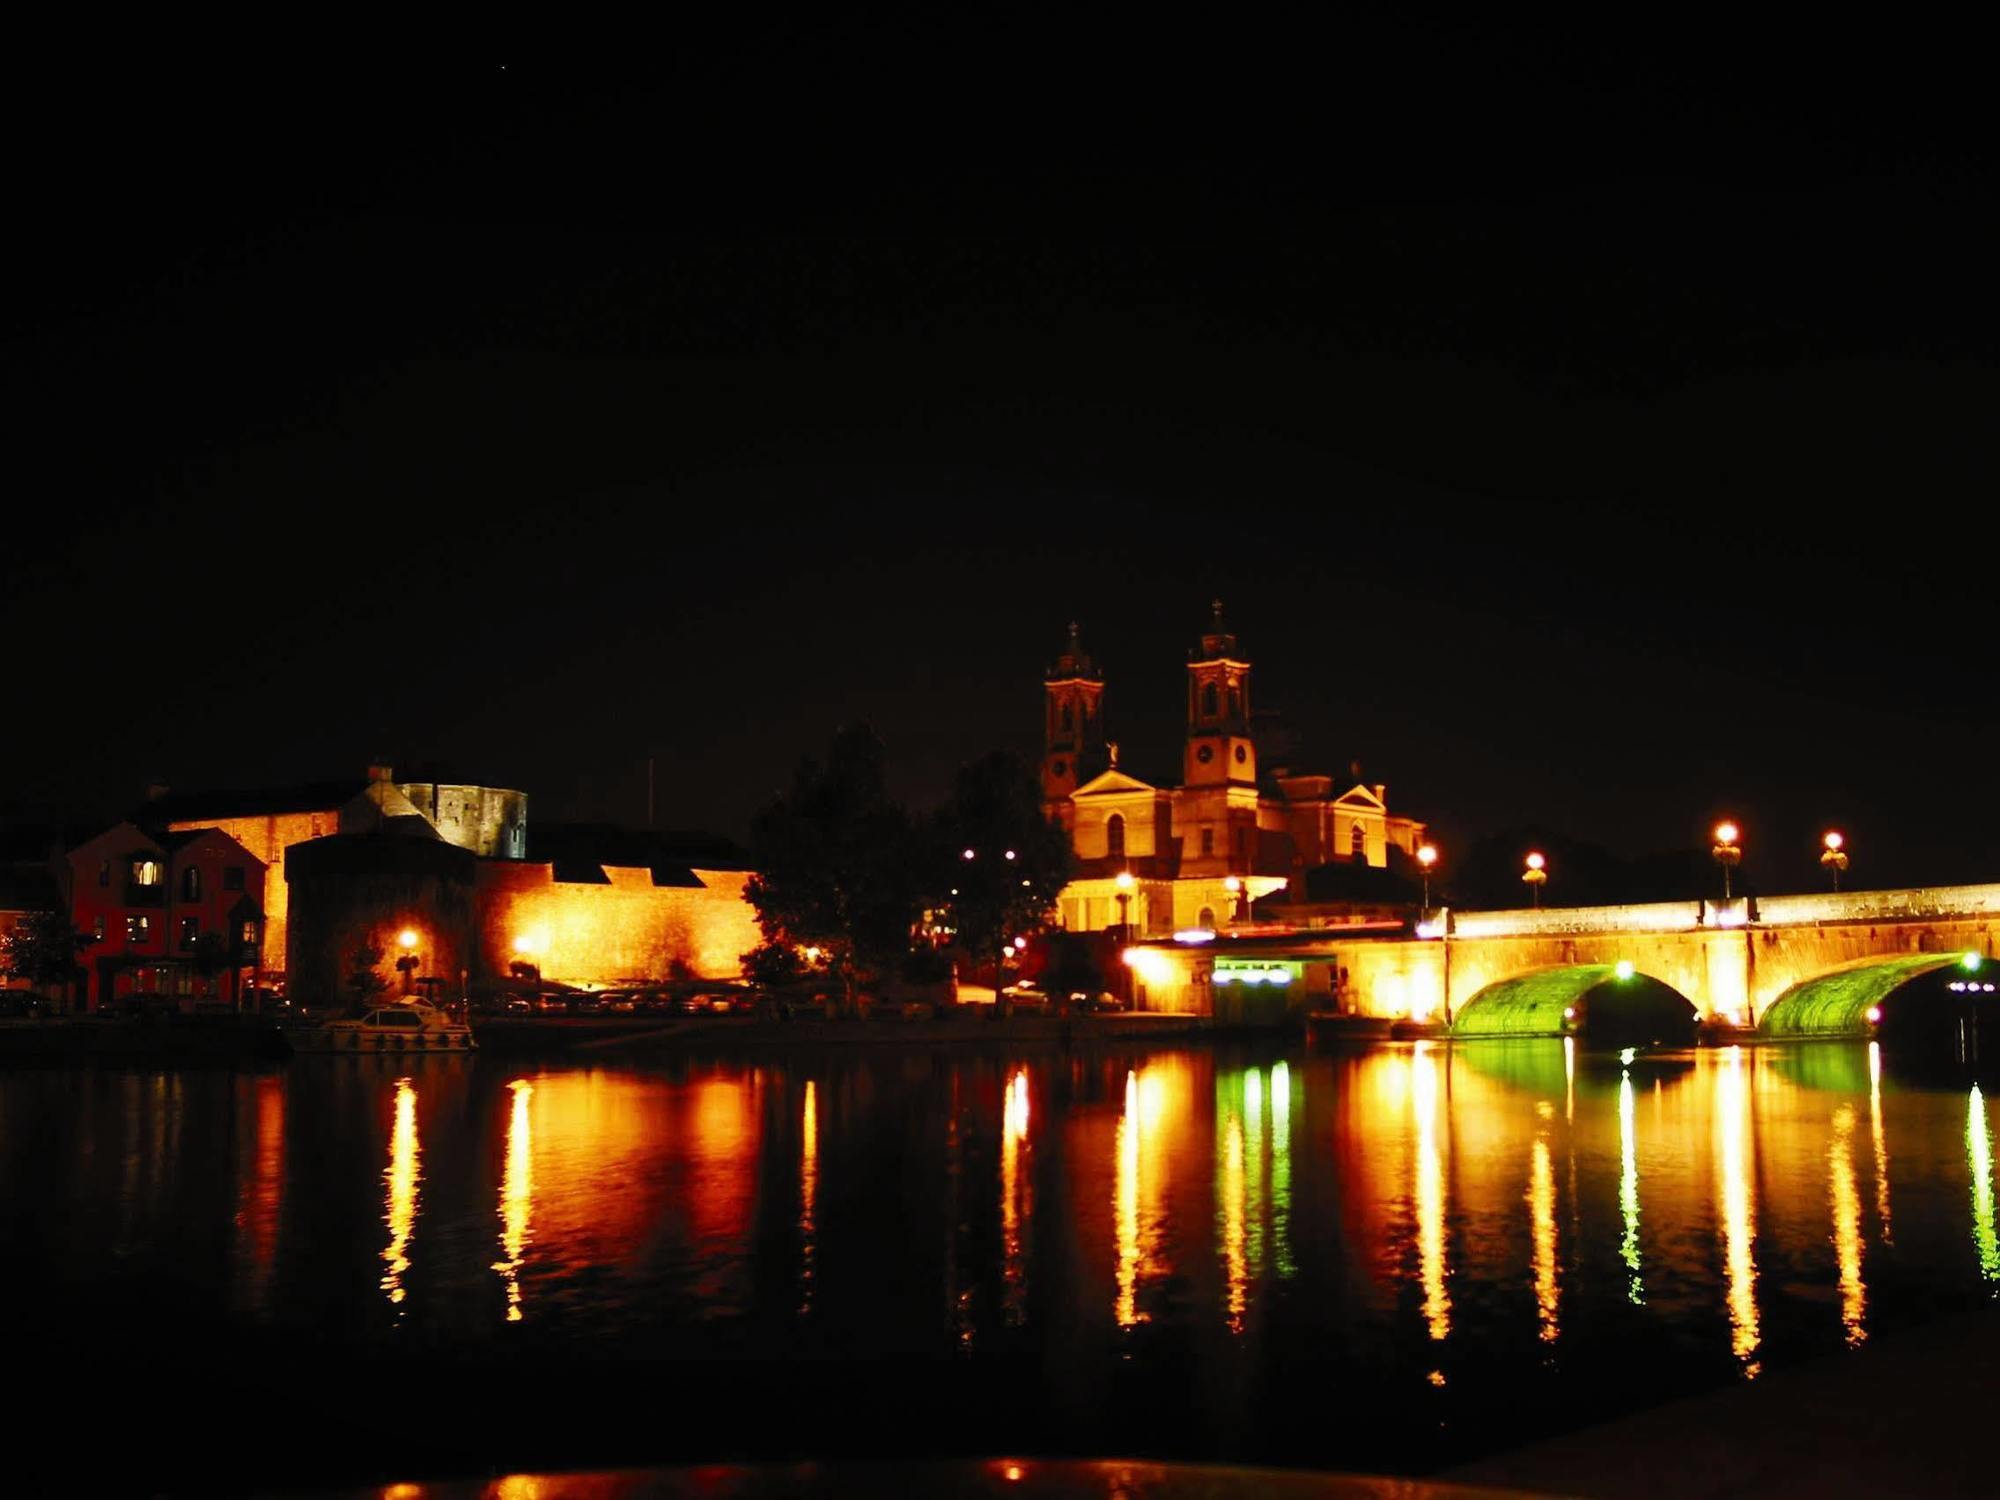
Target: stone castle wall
{"x":620,"y":932}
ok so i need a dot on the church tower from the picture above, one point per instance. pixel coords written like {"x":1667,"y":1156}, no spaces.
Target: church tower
{"x":1219,"y":749}
{"x":1072,"y":725}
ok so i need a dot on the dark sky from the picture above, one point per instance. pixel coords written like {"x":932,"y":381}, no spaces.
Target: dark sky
{"x":1595,"y":436}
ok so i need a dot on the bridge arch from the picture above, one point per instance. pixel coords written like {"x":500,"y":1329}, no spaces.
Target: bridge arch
{"x":1600,"y":1002}
{"x":1872,"y":994}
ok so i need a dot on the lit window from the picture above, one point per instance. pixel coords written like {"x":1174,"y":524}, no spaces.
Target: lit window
{"x":138,"y":929}
{"x":249,"y":934}
{"x":145,"y":872}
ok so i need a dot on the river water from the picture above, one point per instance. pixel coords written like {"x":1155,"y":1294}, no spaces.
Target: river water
{"x":1388,"y":1259}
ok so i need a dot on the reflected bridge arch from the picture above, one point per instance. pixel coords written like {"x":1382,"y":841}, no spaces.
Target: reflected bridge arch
{"x":1613,"y":1004}
{"x":1894,"y":994}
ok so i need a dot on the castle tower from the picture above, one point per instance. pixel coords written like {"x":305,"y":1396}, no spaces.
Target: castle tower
{"x":1219,"y":749}
{"x":1072,"y":725}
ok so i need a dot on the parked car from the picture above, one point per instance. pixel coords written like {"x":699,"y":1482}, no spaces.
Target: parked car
{"x":551,"y":1005}
{"x":1026,"y":996}
{"x":618,"y":1002}
{"x":1096,"y":1004}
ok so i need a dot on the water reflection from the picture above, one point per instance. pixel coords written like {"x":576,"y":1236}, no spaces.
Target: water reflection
{"x":1281,"y":1169}
{"x":1137,"y":1188}
{"x":1979,"y":1153}
{"x":1847,"y":1224}
{"x":1628,"y":1183}
{"x":1542,"y":1212}
{"x":1881,"y":1141}
{"x":1394,"y":1213}
{"x":808,"y":1192}
{"x":1015,"y":1198}
{"x":517,"y":1193}
{"x":1430,"y":1195}
{"x":1738,"y":1208}
{"x":401,"y":1180}
{"x":260,"y":1190}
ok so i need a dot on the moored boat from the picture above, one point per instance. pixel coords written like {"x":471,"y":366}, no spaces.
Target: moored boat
{"x":407,"y":1026}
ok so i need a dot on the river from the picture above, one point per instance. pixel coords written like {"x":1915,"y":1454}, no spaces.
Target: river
{"x":1388,"y":1259}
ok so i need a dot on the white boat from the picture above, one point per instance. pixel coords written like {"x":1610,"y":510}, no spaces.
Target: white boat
{"x":406,"y":1026}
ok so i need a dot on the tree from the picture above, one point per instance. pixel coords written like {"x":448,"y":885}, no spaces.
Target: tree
{"x":997,"y":862}
{"x":364,"y":973}
{"x":833,"y":862}
{"x":43,"y":949}
{"x":210,"y":955}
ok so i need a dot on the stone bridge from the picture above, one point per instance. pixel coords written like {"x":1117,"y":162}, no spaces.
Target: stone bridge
{"x":1829,"y":959}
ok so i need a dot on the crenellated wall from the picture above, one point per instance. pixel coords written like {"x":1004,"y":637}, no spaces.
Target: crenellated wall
{"x":622,"y":930}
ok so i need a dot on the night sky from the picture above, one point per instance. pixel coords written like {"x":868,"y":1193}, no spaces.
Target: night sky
{"x":1594,"y":437}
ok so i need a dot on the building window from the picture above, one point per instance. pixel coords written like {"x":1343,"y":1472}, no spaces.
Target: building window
{"x":1208,"y":701}
{"x":1207,"y":842}
{"x":232,"y":877}
{"x":1357,"y":842}
{"x":190,"y":930}
{"x":249,"y":934}
{"x":145,"y":872}
{"x":191,"y":883}
{"x":138,"y":929}
{"x":1068,"y":718}
{"x":1114,"y":836}
{"x":1206,"y":921}
{"x":103,"y":873}
{"x":1237,"y":843}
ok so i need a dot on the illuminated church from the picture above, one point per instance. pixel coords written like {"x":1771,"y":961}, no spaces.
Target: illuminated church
{"x":1166,"y":859}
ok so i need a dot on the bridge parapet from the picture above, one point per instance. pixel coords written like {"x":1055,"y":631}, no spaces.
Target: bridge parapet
{"x":1879,"y":906}
{"x":1557,"y":921}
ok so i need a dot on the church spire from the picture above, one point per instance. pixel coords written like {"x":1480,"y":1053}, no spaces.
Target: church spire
{"x":1072,"y":725}
{"x":1218,"y":640}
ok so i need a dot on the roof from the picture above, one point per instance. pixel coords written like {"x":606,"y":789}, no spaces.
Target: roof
{"x":311,"y":796}
{"x":1351,"y":880}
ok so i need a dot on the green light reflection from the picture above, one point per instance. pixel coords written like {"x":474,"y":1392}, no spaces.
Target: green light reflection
{"x":1979,"y":1148}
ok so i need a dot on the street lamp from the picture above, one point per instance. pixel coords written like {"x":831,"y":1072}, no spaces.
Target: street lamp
{"x":1728,"y":853}
{"x":1536,"y":875}
{"x":407,"y":964}
{"x":1124,"y":882}
{"x":1427,"y":856}
{"x":1834,"y":856}
{"x":1239,"y":898}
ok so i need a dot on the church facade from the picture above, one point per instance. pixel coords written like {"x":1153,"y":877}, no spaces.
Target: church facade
{"x":1158,"y":859}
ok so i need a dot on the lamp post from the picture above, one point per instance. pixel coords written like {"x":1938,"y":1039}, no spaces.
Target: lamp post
{"x":1124,"y":882}
{"x":1536,"y":875}
{"x":1239,"y":899}
{"x":1728,"y":853}
{"x":1427,"y":856}
{"x":1834,"y":855}
{"x":407,"y":964}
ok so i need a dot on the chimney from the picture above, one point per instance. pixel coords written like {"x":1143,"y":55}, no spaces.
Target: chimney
{"x":379,"y":769}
